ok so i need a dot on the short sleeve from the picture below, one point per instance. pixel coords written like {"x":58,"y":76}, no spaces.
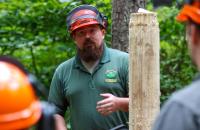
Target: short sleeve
{"x":56,"y":94}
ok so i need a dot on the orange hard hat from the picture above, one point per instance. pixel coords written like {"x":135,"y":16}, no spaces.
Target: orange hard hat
{"x":19,"y":106}
{"x":85,"y":15}
{"x":190,"y":11}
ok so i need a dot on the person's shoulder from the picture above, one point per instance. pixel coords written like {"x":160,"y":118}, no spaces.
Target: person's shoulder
{"x":188,"y":97}
{"x":118,"y":53}
{"x":191,"y":92}
{"x":65,"y":65}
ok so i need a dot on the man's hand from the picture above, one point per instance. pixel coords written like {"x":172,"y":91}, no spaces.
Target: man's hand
{"x":111,"y":103}
{"x":60,"y":122}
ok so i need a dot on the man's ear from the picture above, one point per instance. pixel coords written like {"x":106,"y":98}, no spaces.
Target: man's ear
{"x":103,"y":31}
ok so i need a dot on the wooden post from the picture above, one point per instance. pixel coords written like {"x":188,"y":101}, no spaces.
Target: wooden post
{"x":144,"y":70}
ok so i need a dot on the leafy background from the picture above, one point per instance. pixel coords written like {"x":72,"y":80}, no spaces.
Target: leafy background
{"x":34,"y":32}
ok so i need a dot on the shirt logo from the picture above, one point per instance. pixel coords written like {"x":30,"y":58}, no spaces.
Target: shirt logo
{"x":111,"y":76}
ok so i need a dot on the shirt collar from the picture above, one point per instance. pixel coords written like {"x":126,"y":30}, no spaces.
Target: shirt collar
{"x":104,"y":58}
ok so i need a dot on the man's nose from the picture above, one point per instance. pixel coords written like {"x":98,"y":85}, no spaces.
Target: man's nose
{"x":87,"y":35}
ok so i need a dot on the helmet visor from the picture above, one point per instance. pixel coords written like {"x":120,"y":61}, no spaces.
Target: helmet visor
{"x":82,"y":17}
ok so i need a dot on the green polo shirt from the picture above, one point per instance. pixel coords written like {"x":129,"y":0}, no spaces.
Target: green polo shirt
{"x":74,"y":88}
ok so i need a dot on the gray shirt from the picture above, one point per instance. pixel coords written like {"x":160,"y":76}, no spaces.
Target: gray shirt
{"x":182,"y":110}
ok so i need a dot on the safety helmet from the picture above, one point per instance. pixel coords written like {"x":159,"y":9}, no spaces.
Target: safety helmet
{"x":19,"y":106}
{"x":190,"y":11}
{"x":85,"y":15}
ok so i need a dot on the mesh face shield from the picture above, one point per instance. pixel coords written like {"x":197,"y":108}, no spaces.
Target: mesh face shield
{"x":84,"y":15}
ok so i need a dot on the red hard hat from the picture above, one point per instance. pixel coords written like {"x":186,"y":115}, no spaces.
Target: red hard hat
{"x":190,"y":11}
{"x":85,"y":15}
{"x":20,"y":107}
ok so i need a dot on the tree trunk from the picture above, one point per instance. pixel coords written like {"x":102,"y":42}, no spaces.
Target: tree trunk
{"x":120,"y":19}
{"x":144,"y":72}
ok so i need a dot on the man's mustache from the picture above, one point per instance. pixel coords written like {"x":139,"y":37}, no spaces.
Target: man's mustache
{"x":89,"y":41}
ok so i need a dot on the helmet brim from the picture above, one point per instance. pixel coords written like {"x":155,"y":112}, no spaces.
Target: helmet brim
{"x":189,"y":12}
{"x":83,"y":25}
{"x":23,"y":119}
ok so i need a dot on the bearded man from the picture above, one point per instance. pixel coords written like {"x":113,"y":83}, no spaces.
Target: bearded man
{"x":93,"y":85}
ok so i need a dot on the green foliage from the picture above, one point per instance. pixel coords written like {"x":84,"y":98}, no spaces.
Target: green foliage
{"x":34,"y":31}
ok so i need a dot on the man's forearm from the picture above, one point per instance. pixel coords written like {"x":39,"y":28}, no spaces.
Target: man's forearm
{"x":60,"y":122}
{"x":123,"y":104}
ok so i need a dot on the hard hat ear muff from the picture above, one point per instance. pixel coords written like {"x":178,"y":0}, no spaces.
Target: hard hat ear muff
{"x":104,"y":20}
{"x":40,"y":90}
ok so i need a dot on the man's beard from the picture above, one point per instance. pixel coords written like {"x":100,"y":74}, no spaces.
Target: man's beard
{"x":90,"y":52}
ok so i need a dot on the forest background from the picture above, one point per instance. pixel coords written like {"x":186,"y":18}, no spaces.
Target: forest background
{"x":34,"y":32}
